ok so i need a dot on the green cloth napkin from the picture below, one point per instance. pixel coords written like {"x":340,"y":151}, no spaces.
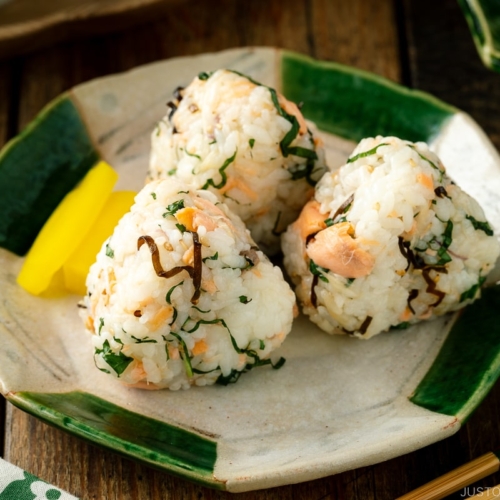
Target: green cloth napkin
{"x":17,"y":484}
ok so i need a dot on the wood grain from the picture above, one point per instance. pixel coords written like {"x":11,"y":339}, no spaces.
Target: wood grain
{"x":29,"y":25}
{"x":344,"y":32}
{"x":444,"y":61}
{"x":432,"y":50}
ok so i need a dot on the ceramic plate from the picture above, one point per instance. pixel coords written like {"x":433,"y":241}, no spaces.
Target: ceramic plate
{"x":338,"y":403}
{"x":483,"y":18}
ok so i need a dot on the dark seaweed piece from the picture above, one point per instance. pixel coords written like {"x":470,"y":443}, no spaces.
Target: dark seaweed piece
{"x":179,"y":93}
{"x":194,"y":272}
{"x":314,"y":297}
{"x":173,"y":108}
{"x":197,"y":268}
{"x":431,"y":284}
{"x":317,"y":272}
{"x":411,"y":296}
{"x":274,"y":230}
{"x":344,"y":207}
{"x":409,"y":255}
{"x":251,"y":256}
{"x":364,"y":326}
{"x":440,"y":192}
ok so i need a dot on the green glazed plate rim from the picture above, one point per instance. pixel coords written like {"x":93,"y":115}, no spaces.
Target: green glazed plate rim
{"x":483,"y":19}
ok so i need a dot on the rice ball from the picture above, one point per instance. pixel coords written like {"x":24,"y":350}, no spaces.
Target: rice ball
{"x":244,"y":141}
{"x":180,"y":295}
{"x":388,"y":240}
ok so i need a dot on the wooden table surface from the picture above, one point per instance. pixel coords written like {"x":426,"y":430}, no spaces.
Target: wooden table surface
{"x":424,"y":44}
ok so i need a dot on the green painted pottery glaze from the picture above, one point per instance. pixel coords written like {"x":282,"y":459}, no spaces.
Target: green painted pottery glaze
{"x":177,"y":450}
{"x":38,"y":168}
{"x":483,"y":18}
{"x":465,"y":367}
{"x":355,"y":104}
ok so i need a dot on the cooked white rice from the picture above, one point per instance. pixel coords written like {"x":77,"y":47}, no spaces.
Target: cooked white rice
{"x":159,"y":324}
{"x":244,"y":141}
{"x":388,"y":240}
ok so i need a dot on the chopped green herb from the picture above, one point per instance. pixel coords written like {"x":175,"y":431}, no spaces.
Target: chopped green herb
{"x":201,"y":310}
{"x":101,"y":324}
{"x":401,"y":326}
{"x":174,"y":317}
{"x":192,"y":154}
{"x":222,"y":173}
{"x":145,"y":340}
{"x":443,"y":255}
{"x":169,"y":293}
{"x":366,"y":153}
{"x":172,"y":172}
{"x":245,"y":300}
{"x":432,"y":164}
{"x":251,"y":142}
{"x":303,"y":171}
{"x":215,"y":256}
{"x":472,"y":291}
{"x":206,"y":322}
{"x":318,"y":271}
{"x":184,"y":353}
{"x":349,"y":282}
{"x":181,"y":228}
{"x":480,"y":226}
{"x":109,"y":251}
{"x":174,"y":207}
{"x":118,"y":362}
{"x":153,"y":195}
{"x":303,"y":152}
{"x":329,"y":222}
{"x":166,"y":347}
{"x":203,"y":75}
{"x":235,"y":374}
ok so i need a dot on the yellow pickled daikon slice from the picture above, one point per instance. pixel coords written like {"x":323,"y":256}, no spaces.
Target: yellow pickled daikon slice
{"x":77,"y":266}
{"x":64,"y":231}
